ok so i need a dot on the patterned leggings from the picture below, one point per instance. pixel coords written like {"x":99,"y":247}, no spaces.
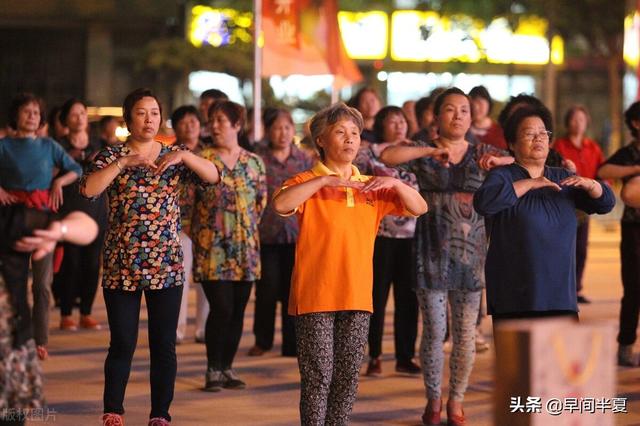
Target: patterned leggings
{"x":330,"y":350}
{"x":464,"y":314}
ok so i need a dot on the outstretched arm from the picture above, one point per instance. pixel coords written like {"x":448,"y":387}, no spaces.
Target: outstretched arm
{"x":399,"y":154}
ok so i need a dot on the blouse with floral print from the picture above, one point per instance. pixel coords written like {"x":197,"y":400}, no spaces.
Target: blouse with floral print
{"x":275,"y":229}
{"x":368,"y":162}
{"x":142,"y":249}
{"x":224,"y":227}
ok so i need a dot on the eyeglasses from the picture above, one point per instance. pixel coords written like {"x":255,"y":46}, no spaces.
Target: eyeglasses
{"x":543,"y":136}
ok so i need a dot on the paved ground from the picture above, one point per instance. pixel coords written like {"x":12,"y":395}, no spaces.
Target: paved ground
{"x":74,"y":372}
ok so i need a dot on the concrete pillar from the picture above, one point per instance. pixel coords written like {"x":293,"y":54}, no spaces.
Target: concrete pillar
{"x":99,"y":75}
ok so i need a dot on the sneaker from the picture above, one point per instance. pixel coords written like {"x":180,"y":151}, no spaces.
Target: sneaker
{"x":481,"y":343}
{"x":112,"y":419}
{"x":256,"y":351}
{"x":159,"y":421}
{"x":213,"y":380}
{"x":583,"y":300}
{"x":231,"y":380}
{"x":43,"y":353}
{"x":88,"y":322}
{"x":626,"y":357}
{"x":407,"y":367}
{"x":67,"y":323}
{"x":374,"y":368}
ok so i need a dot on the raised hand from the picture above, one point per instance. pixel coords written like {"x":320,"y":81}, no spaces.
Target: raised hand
{"x":168,"y":160}
{"x":6,"y":198}
{"x":441,"y":155}
{"x":137,"y":160}
{"x":543,"y":182}
{"x":379,"y":182}
{"x":583,"y":183}
{"x":42,"y":242}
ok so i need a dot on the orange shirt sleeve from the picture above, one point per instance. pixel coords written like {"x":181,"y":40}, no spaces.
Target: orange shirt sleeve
{"x":390,"y":204}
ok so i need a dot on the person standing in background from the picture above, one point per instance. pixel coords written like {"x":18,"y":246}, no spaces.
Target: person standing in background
{"x":586,"y":154}
{"x":278,"y":235}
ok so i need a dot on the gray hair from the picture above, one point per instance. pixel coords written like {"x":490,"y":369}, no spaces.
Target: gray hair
{"x":324,"y":119}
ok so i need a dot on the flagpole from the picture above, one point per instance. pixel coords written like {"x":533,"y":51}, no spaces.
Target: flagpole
{"x":257,"y":68}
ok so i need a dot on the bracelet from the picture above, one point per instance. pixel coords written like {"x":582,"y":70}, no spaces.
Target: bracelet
{"x":63,"y":230}
{"x":118,"y":165}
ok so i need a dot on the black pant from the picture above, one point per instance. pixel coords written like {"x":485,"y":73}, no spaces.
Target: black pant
{"x":582,"y":239}
{"x":123,"y":311}
{"x":630,"y":262}
{"x":393,"y":262}
{"x":277,"y":266}
{"x":227,"y":301}
{"x":79,"y":274}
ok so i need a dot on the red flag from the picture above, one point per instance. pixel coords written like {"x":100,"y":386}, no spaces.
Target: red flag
{"x":303,"y":37}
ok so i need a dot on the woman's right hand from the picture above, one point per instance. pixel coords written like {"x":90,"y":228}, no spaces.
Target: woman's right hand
{"x":136,"y":160}
{"x":542,"y":182}
{"x":336,"y":181}
{"x":7,"y":199}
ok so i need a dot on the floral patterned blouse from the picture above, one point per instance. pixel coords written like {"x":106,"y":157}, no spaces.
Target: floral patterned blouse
{"x":275,"y":229}
{"x":142,"y":249}
{"x":368,"y":162}
{"x":224,"y":227}
{"x":451,"y":242}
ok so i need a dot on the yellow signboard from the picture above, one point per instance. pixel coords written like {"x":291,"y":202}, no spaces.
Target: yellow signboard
{"x":426,"y":36}
{"x":365,"y":34}
{"x":219,"y":27}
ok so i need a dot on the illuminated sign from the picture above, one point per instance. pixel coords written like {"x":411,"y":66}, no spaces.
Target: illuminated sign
{"x":632,"y":40}
{"x":426,"y":36}
{"x":365,"y":34}
{"x":219,"y":27}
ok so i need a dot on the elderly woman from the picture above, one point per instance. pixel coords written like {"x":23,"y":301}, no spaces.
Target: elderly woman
{"x":27,"y":165}
{"x":450,"y":246}
{"x":339,"y":211}
{"x":531,"y":211}
{"x":278,"y":235}
{"x":142,"y":253}
{"x":586,"y":154}
{"x":625,"y":165}
{"x":392,"y":255}
{"x":226,"y":242}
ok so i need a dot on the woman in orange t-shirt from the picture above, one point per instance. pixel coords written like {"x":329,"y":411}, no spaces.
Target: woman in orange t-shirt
{"x":339,"y":212}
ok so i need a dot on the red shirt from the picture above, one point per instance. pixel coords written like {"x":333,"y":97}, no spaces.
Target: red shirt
{"x":587,"y":158}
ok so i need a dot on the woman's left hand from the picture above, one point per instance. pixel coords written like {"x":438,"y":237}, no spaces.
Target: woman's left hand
{"x":379,"y":182}
{"x":488,"y":161}
{"x":580,"y":182}
{"x":55,"y":195}
{"x":168,"y":160}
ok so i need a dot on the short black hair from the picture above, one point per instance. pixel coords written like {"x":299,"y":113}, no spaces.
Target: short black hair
{"x":66,"y":108}
{"x":270,"y":115}
{"x":514,"y":121}
{"x":354,"y":102}
{"x":20,"y":100}
{"x":106,"y":119}
{"x":442,"y":96}
{"x":214,"y":94}
{"x":233,"y":111}
{"x":481,"y":92}
{"x":132,"y":98}
{"x":181,"y":112}
{"x":378,"y":121}
{"x":514,"y":101}
{"x":422,"y":105}
{"x":630,"y":115}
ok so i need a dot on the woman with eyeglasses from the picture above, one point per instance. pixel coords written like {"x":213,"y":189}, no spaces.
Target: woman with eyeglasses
{"x":530,"y":214}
